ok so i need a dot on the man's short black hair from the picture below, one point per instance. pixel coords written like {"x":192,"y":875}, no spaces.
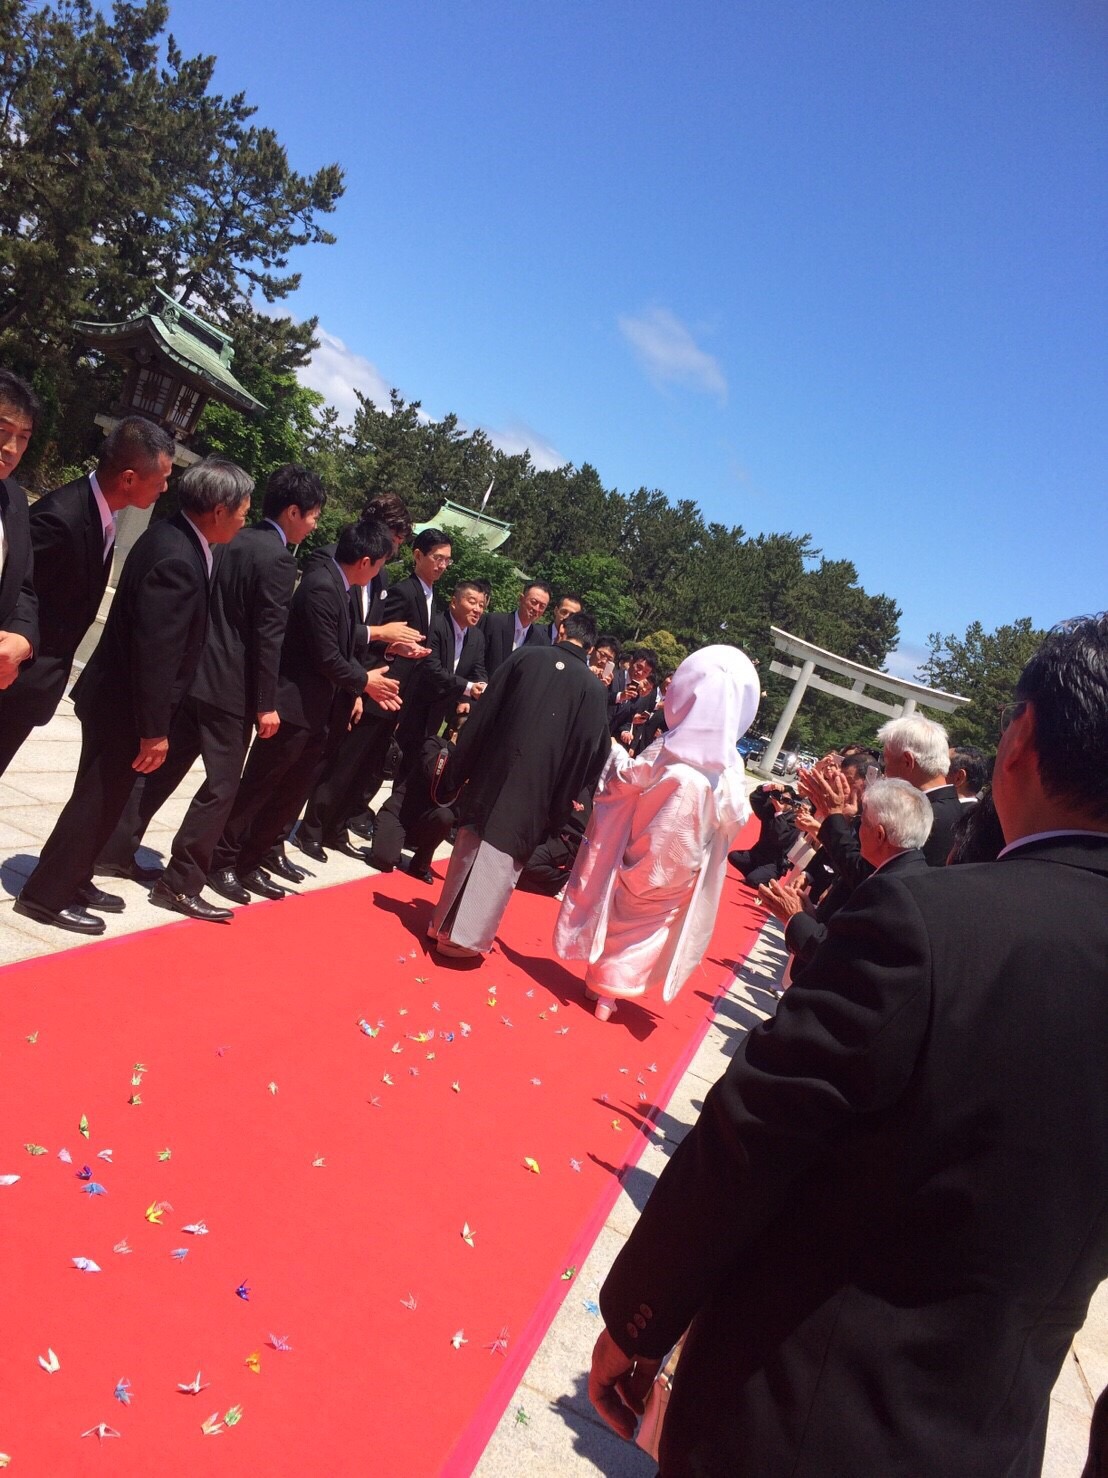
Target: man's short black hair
{"x":644,"y":654}
{"x":429,"y":539}
{"x":19,"y":395}
{"x":134,"y":444}
{"x":1066,"y":683}
{"x":569,"y":595}
{"x":537,"y":585}
{"x":612,"y":643}
{"x":581,"y":628}
{"x":485,"y":587}
{"x":368,"y":539}
{"x":971,"y":760}
{"x":467,"y":585}
{"x":292,"y":486}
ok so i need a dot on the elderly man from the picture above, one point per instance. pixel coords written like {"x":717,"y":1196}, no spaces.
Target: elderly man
{"x":885,"y":1228}
{"x":535,"y":740}
{"x":134,"y":682}
{"x":916,"y":749}
{"x":73,"y":537}
{"x":507,"y":631}
{"x":896,"y":822}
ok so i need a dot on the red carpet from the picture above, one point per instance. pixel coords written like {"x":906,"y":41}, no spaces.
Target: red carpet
{"x":252,"y":1066}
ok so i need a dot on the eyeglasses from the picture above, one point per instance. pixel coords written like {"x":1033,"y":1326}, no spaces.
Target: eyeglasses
{"x":1011,"y":711}
{"x":442,"y":560}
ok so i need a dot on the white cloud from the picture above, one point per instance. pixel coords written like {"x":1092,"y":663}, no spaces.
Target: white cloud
{"x":337,"y":372}
{"x":669,"y":354}
{"x":516,"y":438}
{"x":906,"y":661}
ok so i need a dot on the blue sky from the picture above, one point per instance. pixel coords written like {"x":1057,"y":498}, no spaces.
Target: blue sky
{"x":820,"y":266}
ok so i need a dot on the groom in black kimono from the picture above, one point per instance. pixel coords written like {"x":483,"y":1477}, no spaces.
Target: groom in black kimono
{"x":536,"y":738}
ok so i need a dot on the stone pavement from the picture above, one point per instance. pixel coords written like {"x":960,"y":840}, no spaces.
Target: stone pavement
{"x":548,"y":1427}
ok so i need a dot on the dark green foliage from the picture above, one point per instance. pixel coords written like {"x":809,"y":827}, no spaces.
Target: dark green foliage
{"x":120,"y":170}
{"x":983,"y":666}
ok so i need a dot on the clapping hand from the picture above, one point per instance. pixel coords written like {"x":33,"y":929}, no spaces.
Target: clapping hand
{"x":784,"y":900}
{"x":829,"y":792}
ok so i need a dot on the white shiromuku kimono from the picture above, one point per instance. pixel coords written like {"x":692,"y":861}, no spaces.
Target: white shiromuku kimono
{"x":642,"y":902}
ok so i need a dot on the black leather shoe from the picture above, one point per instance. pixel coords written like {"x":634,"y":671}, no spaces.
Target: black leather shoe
{"x":74,"y":918}
{"x":348,"y":849}
{"x":371,"y":861}
{"x":363,"y":825}
{"x":227,"y":885}
{"x":421,"y":874}
{"x":258,"y":882}
{"x":191,"y":905}
{"x":277,"y":862}
{"x":310,"y":849}
{"x":90,"y":896}
{"x":132,"y":871}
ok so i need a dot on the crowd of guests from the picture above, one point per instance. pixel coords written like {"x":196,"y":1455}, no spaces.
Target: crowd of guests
{"x":917,"y":800}
{"x":301,"y":685}
{"x":880,"y":1236}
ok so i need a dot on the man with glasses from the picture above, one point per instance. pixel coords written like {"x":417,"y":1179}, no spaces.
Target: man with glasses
{"x":888,"y":1222}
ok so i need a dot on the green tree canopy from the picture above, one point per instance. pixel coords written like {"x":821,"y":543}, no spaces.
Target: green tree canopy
{"x":121,"y":171}
{"x":983,"y":666}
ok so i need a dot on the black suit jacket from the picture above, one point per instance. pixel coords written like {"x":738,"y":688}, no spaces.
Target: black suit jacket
{"x":500,"y":630}
{"x":153,"y":636}
{"x":252,"y":584}
{"x":888,"y":1222}
{"x":317,"y":659}
{"x":70,"y":575}
{"x":18,"y":602}
{"x":436,"y":687}
{"x":805,"y":932}
{"x":946,"y":810}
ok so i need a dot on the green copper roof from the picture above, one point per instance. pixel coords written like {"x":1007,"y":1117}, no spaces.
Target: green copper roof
{"x":196,"y":347}
{"x":492,"y":532}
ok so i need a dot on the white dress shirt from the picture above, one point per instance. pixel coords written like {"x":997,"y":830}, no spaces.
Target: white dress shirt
{"x":107,"y":517}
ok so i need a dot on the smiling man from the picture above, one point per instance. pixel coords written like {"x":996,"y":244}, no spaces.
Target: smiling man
{"x":507,"y":631}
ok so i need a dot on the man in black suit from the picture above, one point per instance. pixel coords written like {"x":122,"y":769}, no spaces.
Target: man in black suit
{"x":536,"y":739}
{"x":73,"y":538}
{"x":887,"y":1224}
{"x":916,"y":749}
{"x":319,"y":690}
{"x":235,"y":688}
{"x":635,"y":701}
{"x":454,"y":672}
{"x":132,"y":686}
{"x":19,"y":634}
{"x":507,"y":631}
{"x":568,"y":605}
{"x":409,"y":605}
{"x":896,"y":821}
{"x":350,"y":775}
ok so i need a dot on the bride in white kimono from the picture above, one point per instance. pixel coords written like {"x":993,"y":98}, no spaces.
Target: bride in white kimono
{"x":641,"y":904}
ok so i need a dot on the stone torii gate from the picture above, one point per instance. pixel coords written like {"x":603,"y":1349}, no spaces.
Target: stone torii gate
{"x":907,"y":695}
